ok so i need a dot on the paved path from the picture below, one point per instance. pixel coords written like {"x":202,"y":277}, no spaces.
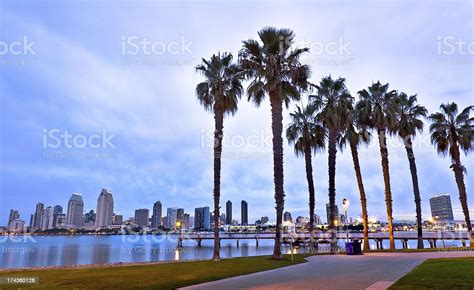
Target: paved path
{"x":370,"y":271}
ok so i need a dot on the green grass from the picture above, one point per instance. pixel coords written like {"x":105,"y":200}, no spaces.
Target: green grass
{"x":445,"y":273}
{"x":156,"y":276}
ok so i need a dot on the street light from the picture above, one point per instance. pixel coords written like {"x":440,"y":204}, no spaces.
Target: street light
{"x":345,"y":205}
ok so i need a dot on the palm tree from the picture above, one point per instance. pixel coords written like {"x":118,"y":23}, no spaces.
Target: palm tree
{"x":334,"y":103}
{"x":219,"y":94}
{"x":376,"y":109}
{"x":354,"y":135}
{"x":307,"y":135}
{"x":451,"y":132}
{"x":274,"y":69}
{"x":408,"y":124}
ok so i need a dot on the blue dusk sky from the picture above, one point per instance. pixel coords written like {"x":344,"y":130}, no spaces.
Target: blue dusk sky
{"x":78,"y":67}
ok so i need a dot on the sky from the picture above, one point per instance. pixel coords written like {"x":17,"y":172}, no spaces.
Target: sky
{"x":76,"y":67}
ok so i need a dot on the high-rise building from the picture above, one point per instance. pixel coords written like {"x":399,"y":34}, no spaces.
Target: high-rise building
{"x":47,"y":219}
{"x":57,"y":210}
{"x":228,"y":212}
{"x":202,"y":218}
{"x":118,"y":219}
{"x":75,"y":210}
{"x":14,"y":215}
{"x":441,"y":208}
{"x":328,"y":213}
{"x":105,"y":209}
{"x":244,"y":213}
{"x":38,"y":216}
{"x":141,"y":217}
{"x":156,"y":216}
{"x":287,"y":217}
{"x":180,"y":215}
{"x":16,"y":226}
{"x":171,"y":217}
{"x":186,"y":219}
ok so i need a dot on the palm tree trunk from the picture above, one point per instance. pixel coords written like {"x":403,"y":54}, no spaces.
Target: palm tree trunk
{"x":218,"y":135}
{"x":388,"y":191}
{"x":416,"y":190}
{"x":309,"y":177}
{"x":277,"y":131}
{"x":332,"y":151}
{"x":363,"y":198}
{"x":459,"y":175}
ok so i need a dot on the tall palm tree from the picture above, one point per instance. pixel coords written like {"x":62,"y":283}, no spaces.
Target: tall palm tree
{"x":274,"y":69}
{"x":307,"y":135}
{"x":376,"y":110}
{"x":354,"y":135}
{"x":219,"y":94}
{"x":333,"y":102}
{"x":408,"y":124}
{"x":451,"y":132}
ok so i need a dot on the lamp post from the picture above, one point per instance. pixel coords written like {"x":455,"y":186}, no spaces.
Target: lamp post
{"x":345,"y":205}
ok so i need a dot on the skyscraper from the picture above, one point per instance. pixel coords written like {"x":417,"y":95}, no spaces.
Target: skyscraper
{"x":202,"y":218}
{"x":105,"y":209}
{"x":141,"y":217}
{"x":228,"y":212}
{"x":244,"y":213}
{"x":171,"y":217}
{"x":180,"y":215}
{"x":441,"y":208}
{"x":328,"y":213}
{"x":14,"y":215}
{"x":47,"y":219}
{"x":57,"y":210}
{"x":118,"y":219}
{"x":75,"y":210}
{"x":156,"y":216}
{"x":38,"y":216}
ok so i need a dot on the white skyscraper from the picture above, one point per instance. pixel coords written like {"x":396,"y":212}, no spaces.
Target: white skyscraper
{"x":47,"y":220}
{"x":105,"y":209}
{"x":75,"y":210}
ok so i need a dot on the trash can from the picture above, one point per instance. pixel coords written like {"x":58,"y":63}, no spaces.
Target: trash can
{"x":349,"y":248}
{"x":357,"y":247}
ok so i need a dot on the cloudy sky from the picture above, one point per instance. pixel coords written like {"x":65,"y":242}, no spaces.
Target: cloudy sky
{"x":77,"y":67}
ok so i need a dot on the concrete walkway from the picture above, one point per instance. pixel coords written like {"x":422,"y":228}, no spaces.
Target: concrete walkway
{"x":370,"y":271}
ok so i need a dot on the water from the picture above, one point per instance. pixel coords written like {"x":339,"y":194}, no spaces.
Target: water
{"x":39,"y":251}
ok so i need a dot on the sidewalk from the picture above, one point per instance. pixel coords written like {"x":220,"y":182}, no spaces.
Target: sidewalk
{"x":370,"y":271}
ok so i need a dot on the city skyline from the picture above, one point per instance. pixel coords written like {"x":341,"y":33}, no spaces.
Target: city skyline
{"x":170,"y":162}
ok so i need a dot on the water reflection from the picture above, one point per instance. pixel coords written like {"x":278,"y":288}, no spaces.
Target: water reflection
{"x":70,"y":255}
{"x":101,"y":254}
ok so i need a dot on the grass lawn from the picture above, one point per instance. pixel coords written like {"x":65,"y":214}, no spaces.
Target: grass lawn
{"x":445,"y":273}
{"x":156,"y":276}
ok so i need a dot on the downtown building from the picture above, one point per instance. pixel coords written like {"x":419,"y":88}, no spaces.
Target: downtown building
{"x":38,"y":215}
{"x":336,"y":214}
{"x":75,"y":211}
{"x":173,"y":215}
{"x":47,"y":219}
{"x":228,"y":212}
{"x":244,"y":213}
{"x":441,"y":209}
{"x":105,"y":209}
{"x":156,"y":215}
{"x":202,"y":218}
{"x":141,"y":217}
